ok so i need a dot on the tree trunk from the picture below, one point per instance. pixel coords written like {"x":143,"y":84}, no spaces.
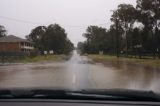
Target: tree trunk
{"x":126,"y":46}
{"x":139,"y":53}
{"x":154,"y":54}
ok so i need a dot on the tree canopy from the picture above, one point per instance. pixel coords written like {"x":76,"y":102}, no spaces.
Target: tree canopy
{"x":2,"y":31}
{"x":135,"y":30}
{"x":52,"y":37}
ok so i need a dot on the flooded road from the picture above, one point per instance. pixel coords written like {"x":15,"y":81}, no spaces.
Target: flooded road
{"x":79,"y":73}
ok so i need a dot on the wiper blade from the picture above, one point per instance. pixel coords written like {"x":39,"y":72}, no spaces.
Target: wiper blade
{"x":5,"y":94}
{"x":26,"y":93}
{"x":122,"y":95}
{"x":15,"y":93}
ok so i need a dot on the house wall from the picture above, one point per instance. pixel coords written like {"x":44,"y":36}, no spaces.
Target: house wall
{"x":10,"y":47}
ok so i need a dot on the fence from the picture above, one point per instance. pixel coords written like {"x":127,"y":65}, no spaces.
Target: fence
{"x":11,"y":56}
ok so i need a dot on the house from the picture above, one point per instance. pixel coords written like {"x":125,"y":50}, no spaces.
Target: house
{"x":13,"y":43}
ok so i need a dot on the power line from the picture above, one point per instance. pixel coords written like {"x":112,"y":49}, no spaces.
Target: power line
{"x":18,"y":20}
{"x":35,"y":23}
{"x":84,"y":26}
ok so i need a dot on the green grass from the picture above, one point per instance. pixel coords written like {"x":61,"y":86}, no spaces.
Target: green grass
{"x":155,"y":63}
{"x":43,"y":58}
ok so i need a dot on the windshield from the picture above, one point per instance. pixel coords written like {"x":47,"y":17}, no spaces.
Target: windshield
{"x":80,"y":45}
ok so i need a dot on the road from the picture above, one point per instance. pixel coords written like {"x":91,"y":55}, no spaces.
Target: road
{"x":79,"y":73}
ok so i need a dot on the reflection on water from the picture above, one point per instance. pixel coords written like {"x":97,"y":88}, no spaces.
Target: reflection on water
{"x":80,"y":73}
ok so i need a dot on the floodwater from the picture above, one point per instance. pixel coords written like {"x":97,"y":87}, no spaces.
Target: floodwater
{"x":79,"y":73}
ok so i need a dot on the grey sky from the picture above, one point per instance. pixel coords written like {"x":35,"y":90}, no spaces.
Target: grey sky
{"x":73,"y":15}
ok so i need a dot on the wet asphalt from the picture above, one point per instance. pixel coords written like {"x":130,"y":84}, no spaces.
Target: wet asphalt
{"x":79,"y":73}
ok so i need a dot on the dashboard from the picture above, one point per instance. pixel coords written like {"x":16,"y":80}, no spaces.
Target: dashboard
{"x":40,"y":102}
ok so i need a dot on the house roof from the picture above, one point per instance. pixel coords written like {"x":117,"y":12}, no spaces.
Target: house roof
{"x":12,"y":38}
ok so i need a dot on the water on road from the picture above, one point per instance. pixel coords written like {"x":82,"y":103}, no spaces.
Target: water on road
{"x":79,"y":73}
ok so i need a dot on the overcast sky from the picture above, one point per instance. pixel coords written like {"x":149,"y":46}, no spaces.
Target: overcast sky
{"x":20,"y":16}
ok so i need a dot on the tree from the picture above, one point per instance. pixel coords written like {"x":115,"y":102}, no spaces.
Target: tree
{"x":100,"y":39}
{"x":123,"y":33}
{"x":80,"y":47}
{"x":137,"y":41}
{"x":115,"y":41}
{"x":52,"y":37}
{"x":95,"y":39}
{"x":155,"y":8}
{"x":157,"y":40}
{"x":2,"y":31}
{"x":68,"y":46}
{"x":124,"y":18}
{"x":149,"y":16}
{"x":36,"y":35}
{"x":56,"y":39}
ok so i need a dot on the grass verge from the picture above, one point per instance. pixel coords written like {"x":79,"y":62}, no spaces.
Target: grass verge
{"x":154,"y":63}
